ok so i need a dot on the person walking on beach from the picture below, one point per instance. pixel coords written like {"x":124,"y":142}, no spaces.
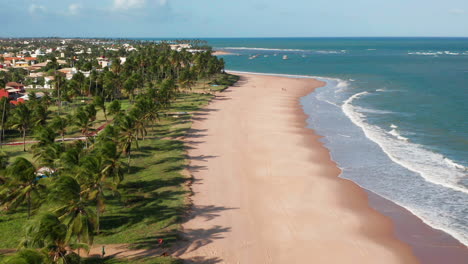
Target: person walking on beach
{"x":103,"y":252}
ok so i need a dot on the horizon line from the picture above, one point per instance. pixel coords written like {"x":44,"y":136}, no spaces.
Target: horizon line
{"x":96,"y":37}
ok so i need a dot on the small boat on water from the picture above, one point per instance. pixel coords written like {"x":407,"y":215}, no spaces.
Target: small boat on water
{"x":285,"y":57}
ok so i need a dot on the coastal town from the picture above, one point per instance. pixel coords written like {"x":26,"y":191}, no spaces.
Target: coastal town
{"x":37,"y":63}
{"x":91,"y":155}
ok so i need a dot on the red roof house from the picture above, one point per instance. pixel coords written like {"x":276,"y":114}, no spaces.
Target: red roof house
{"x":3,"y":93}
{"x":17,"y":102}
{"x":15,"y":85}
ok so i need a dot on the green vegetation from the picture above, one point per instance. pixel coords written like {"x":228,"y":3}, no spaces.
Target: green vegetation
{"x":107,"y":161}
{"x":156,"y":260}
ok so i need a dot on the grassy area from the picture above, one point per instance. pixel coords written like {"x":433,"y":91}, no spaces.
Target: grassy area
{"x":153,"y":197}
{"x":68,"y":108}
{"x":157,"y":260}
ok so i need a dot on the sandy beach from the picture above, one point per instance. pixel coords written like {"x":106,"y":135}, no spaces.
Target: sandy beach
{"x":266,"y":190}
{"x":220,"y":52}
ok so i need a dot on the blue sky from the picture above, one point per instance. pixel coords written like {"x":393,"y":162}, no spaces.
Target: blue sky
{"x":238,"y":18}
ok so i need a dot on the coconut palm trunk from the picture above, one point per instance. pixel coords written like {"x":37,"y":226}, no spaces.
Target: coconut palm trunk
{"x":129,"y":156}
{"x":24,"y":139}
{"x":29,"y":204}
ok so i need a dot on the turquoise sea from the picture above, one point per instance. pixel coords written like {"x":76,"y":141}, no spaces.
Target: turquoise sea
{"x":394,"y":113}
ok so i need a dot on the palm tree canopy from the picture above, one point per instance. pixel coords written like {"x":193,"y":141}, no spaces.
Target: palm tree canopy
{"x":26,"y":256}
{"x":22,"y":170}
{"x":22,"y":117}
{"x":45,"y":136}
{"x":71,"y":208}
{"x":44,"y":230}
{"x":65,"y":190}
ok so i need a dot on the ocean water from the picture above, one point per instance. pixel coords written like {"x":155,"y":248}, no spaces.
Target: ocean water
{"x":394,"y":113}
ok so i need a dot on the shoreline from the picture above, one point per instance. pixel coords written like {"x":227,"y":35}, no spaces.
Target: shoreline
{"x":298,"y":229}
{"x":429,"y":245}
{"x":443,"y":235}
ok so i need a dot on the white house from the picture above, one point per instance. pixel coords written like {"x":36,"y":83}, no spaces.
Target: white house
{"x":48,"y":82}
{"x":179,"y":47}
{"x":37,"y":53}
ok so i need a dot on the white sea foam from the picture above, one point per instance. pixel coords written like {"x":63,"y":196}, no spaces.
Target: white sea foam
{"x":330,"y":51}
{"x":380,"y":90}
{"x":430,"y":165}
{"x":455,"y":165}
{"x":372,"y":111}
{"x":433,"y":167}
{"x":437,"y":53}
{"x":396,"y":134}
{"x":327,"y":101}
{"x":344,"y":136}
{"x":425,"y":53}
{"x":262,"y":49}
{"x":287,"y":50}
{"x":341,"y":85}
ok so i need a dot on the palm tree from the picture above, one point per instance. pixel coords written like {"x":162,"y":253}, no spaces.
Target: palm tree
{"x":149,"y":110}
{"x":59,"y":82}
{"x":24,"y":184}
{"x":3,"y":160}
{"x":48,"y":155}
{"x":40,"y":114}
{"x":45,"y":136}
{"x":70,"y":206}
{"x":26,"y":256}
{"x":46,"y":151}
{"x":114,"y":107}
{"x":5,"y":110}
{"x":128,"y":136}
{"x":90,"y":110}
{"x":130,"y":86}
{"x":71,"y":157}
{"x":113,"y":167}
{"x":22,"y":120}
{"x":186,"y":80}
{"x":137,"y":113}
{"x":83,"y":122}
{"x":166,"y":93}
{"x":51,"y":235}
{"x":99,"y":102}
{"x":60,"y":125}
{"x":93,"y":179}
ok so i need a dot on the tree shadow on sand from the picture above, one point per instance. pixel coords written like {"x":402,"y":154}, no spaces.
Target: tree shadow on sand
{"x":177,"y":244}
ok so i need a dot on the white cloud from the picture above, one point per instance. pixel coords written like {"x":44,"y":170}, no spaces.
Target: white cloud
{"x":34,"y":9}
{"x":74,"y":9}
{"x":128,"y":4}
{"x":457,"y":11}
